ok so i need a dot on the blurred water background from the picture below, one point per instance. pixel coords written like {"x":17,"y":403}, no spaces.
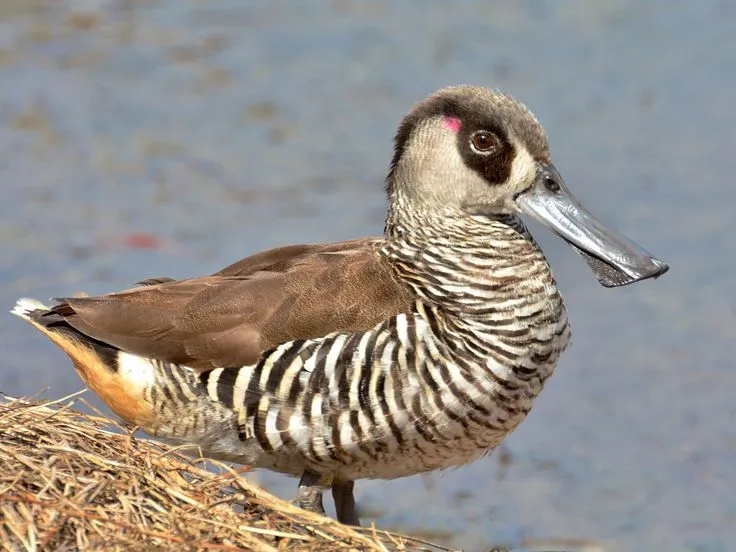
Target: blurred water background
{"x":171,"y":137}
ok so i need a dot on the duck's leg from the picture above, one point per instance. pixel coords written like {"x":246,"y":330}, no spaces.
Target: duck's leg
{"x":342,"y":493}
{"x":309,"y":494}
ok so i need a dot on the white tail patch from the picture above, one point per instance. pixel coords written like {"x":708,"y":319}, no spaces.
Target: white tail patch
{"x":25,"y":306}
{"x":136,"y":371}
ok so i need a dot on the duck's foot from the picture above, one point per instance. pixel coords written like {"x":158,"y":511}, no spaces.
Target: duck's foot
{"x":309,"y":494}
{"x":342,"y":493}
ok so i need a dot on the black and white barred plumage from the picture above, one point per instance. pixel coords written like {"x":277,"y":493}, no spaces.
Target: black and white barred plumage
{"x":431,"y":389}
{"x":372,"y":358}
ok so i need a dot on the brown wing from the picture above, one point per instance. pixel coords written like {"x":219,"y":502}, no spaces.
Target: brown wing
{"x":229,"y":318}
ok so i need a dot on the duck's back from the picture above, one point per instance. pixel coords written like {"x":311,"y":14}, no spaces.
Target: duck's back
{"x":232,"y":316}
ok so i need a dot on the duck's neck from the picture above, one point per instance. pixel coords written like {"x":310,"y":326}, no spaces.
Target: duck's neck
{"x":474,"y":268}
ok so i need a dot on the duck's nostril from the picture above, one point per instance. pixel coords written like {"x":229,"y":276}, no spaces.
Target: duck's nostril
{"x":551,"y":184}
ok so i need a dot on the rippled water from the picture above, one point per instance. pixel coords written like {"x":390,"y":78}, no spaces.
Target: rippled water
{"x":143,"y":138}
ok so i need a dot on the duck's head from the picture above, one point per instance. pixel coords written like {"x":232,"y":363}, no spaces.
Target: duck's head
{"x":470,"y":151}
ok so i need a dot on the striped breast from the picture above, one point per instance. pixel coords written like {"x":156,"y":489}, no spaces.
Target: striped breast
{"x":393,"y":401}
{"x":422,"y":391}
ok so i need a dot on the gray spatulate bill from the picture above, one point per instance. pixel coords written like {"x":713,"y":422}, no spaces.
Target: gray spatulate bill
{"x":614,"y":259}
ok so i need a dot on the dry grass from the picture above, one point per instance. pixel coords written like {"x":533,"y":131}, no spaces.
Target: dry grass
{"x":68,"y":481}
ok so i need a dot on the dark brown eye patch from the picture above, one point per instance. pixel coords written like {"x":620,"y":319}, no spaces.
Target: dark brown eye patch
{"x":484,"y":141}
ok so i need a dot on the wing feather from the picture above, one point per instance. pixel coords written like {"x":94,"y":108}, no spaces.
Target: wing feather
{"x":231,"y":317}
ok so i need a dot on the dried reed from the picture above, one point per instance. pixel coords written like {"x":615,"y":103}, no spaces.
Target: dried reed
{"x":73,"y":481}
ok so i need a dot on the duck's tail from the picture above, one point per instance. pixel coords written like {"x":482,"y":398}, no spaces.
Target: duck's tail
{"x":120,"y":379}
{"x":164,"y":399}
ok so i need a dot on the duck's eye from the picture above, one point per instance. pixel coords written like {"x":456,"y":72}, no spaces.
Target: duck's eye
{"x":483,"y":141}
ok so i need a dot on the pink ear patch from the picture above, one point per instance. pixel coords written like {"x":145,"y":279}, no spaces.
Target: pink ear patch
{"x":451,"y":123}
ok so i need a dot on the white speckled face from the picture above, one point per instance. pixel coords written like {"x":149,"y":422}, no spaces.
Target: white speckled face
{"x":467,"y":150}
{"x":432,"y":172}
{"x":523,"y":170}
